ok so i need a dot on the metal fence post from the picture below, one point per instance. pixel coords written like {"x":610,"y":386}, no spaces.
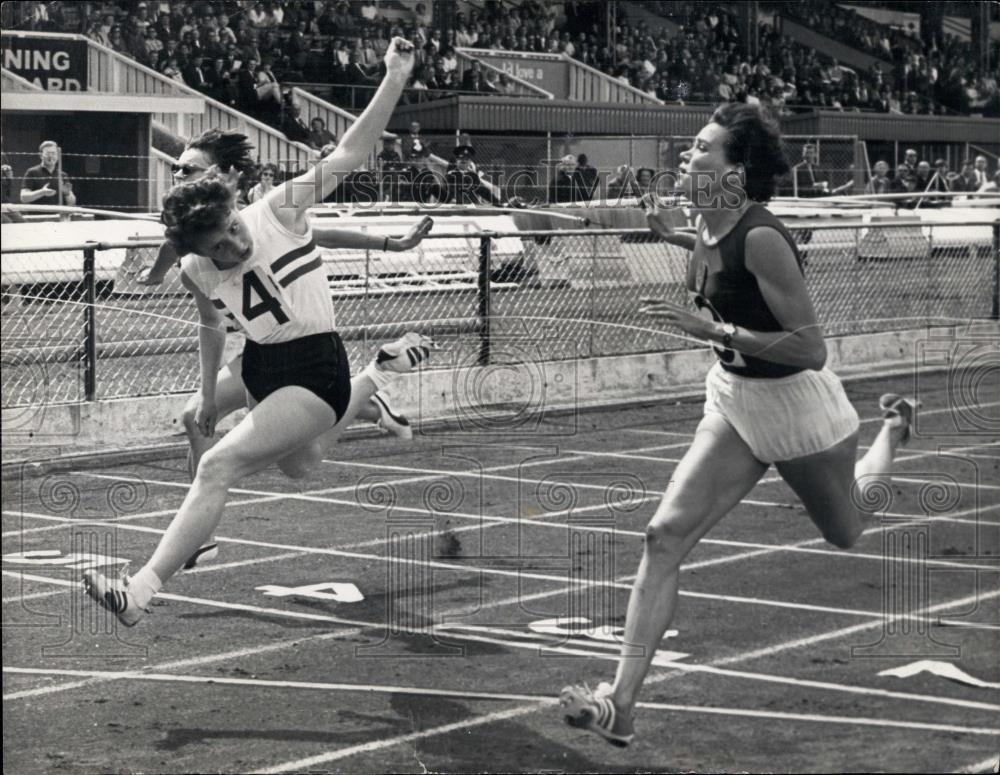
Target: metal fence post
{"x":995,"y":313}
{"x":89,"y":325}
{"x":484,"y":292}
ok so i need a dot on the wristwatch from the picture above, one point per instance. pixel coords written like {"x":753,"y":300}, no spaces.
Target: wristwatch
{"x":728,"y":332}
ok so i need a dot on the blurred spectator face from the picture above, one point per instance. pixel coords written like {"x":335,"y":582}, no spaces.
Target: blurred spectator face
{"x":49,"y":155}
{"x":924,"y":169}
{"x":981,"y":163}
{"x":317,"y":124}
{"x":902,"y":171}
{"x":881,"y":169}
{"x":192,"y":165}
{"x":414,"y":128}
{"x":942,"y":166}
{"x":911,"y":156}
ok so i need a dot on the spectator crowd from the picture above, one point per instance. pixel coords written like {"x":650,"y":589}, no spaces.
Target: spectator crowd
{"x":240,"y":52}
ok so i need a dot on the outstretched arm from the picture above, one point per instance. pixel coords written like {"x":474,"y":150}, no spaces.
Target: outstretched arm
{"x":291,"y":200}
{"x":351,"y":238}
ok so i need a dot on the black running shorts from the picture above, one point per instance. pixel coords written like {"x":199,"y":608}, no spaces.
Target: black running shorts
{"x":317,"y":362}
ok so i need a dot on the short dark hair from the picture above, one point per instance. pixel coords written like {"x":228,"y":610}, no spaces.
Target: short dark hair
{"x":229,"y":149}
{"x":191,"y":209}
{"x":755,"y":142}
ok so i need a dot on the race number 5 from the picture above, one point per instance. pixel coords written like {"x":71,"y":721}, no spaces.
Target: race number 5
{"x":253,"y":285}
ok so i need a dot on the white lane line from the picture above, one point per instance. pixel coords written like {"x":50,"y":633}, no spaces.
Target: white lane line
{"x":390,"y":742}
{"x":841,"y":633}
{"x":462,"y":694}
{"x":653,"y":432}
{"x":126,"y":518}
{"x":626,"y":456}
{"x":986,"y":765}
{"x":311,"y":495}
{"x":343,"y":753}
{"x":849,"y":720}
{"x":945,"y":482}
{"x":471,"y":569}
{"x":522,"y":598}
{"x":516,"y":639}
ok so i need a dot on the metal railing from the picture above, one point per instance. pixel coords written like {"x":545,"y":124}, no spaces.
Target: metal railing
{"x":82,"y":330}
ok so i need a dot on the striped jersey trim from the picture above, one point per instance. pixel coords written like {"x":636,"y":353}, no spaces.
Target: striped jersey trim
{"x":285,"y":260}
{"x":291,"y":277}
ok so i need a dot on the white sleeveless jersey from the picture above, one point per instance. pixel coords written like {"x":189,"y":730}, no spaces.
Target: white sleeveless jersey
{"x":280,"y":293}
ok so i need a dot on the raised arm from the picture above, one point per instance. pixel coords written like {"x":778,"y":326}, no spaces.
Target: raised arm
{"x":291,"y":200}
{"x":659,"y":223}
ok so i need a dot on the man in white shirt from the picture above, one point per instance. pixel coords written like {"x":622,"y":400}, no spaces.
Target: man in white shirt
{"x":981,"y":169}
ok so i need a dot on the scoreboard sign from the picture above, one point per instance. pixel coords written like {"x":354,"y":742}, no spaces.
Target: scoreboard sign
{"x":54,"y":64}
{"x":543,"y":70}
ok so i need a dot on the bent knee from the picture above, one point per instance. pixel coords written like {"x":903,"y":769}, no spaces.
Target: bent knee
{"x":188,"y":418}
{"x":218,"y":467}
{"x":843,"y":536}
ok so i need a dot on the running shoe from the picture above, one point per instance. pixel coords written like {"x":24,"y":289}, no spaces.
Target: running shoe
{"x":900,"y":412}
{"x":595,"y":712}
{"x":206,"y":553}
{"x":405,"y":354}
{"x":391,"y":420}
{"x":112,"y":595}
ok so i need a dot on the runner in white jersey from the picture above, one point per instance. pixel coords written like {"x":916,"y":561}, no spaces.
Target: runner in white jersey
{"x":261,"y":265}
{"x":230,"y":154}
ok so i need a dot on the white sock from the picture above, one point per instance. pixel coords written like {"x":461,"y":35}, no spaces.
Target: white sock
{"x":143,"y":586}
{"x":380,"y":377}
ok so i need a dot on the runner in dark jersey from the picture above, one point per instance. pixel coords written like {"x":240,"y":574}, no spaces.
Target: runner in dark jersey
{"x":769,"y":398}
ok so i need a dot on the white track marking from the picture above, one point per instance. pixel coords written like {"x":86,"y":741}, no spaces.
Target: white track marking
{"x":476,"y":569}
{"x":523,"y":599}
{"x":945,"y":483}
{"x":391,"y":742}
{"x":813,"y":639}
{"x":968,"y":625}
{"x":609,"y":651}
{"x":855,"y":720}
{"x":454,"y":693}
{"x":657,"y":432}
{"x":986,"y":765}
{"x":127,"y":518}
{"x":626,"y":456}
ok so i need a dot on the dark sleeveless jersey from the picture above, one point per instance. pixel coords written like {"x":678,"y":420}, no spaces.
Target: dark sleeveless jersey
{"x":724,"y":290}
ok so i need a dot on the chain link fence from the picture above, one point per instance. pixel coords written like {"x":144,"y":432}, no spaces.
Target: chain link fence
{"x":526,"y":164}
{"x":76,"y":326}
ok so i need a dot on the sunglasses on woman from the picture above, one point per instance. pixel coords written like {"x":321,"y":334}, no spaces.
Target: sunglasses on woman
{"x":185,"y":169}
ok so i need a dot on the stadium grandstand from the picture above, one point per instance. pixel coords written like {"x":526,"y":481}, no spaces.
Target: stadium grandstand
{"x":515,"y":271}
